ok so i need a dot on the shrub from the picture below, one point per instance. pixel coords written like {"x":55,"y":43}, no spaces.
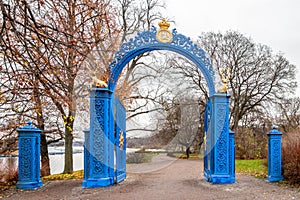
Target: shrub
{"x":8,"y":174}
{"x":250,"y":143}
{"x":291,"y":156}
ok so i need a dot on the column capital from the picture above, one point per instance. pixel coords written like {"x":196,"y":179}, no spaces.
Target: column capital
{"x":274,"y":131}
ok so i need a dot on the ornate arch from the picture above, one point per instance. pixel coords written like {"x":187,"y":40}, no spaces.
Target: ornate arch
{"x":149,"y":41}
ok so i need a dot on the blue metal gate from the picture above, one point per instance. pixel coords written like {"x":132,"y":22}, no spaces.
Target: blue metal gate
{"x":120,"y":140}
{"x":207,"y":140}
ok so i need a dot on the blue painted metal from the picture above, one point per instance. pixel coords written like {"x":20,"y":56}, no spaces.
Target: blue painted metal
{"x":220,"y":156}
{"x":98,"y":153}
{"x":120,"y":131}
{"x":29,"y":157}
{"x":146,"y":41}
{"x":219,"y":153}
{"x":274,"y":155}
{"x":231,"y":156}
{"x":207,"y":141}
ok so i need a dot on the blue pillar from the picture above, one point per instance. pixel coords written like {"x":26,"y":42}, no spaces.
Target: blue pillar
{"x":220,"y":155}
{"x":232,"y":156}
{"x":207,"y":140}
{"x":274,"y":155}
{"x":29,"y":157}
{"x":99,"y":152}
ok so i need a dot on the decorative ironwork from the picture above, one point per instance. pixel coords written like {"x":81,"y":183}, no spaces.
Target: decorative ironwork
{"x":25,"y":158}
{"x":97,"y":164}
{"x":274,"y":155}
{"x":148,"y":41}
{"x":98,"y":138}
{"x":276,"y":162}
{"x":222,"y":127}
{"x":216,"y":162}
{"x":29,"y":157}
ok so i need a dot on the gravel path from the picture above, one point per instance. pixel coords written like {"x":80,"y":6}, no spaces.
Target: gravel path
{"x":168,"y":179}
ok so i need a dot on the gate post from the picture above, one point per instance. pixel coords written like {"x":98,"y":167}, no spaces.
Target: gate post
{"x":29,"y":157}
{"x":98,"y":151}
{"x":274,"y":155}
{"x":232,"y":156}
{"x":207,"y":140}
{"x":221,"y":158}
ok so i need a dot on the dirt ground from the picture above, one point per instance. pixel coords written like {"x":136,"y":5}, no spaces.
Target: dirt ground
{"x":165,"y":178}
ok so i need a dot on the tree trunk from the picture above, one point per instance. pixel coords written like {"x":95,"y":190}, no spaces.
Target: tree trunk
{"x":45,"y":165}
{"x":69,"y":122}
{"x":68,"y":168}
{"x":187,"y":152}
{"x":45,"y":168}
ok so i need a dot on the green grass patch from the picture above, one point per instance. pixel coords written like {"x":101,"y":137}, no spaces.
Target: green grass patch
{"x":76,"y":175}
{"x":255,"y":168}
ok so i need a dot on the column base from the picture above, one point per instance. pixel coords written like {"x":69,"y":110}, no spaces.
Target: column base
{"x":95,"y":183}
{"x":207,"y":175}
{"x":29,"y":185}
{"x":120,"y":178}
{"x":274,"y":178}
{"x":221,"y":179}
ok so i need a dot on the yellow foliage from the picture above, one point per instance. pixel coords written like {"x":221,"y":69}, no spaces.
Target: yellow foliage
{"x":69,"y":128}
{"x":75,"y":175}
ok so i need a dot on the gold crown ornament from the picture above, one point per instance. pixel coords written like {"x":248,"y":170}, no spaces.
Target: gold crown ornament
{"x":164,"y":35}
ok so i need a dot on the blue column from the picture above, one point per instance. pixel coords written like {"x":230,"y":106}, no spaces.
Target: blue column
{"x":221,"y":162}
{"x":231,"y":156}
{"x":207,"y":140}
{"x":98,"y":153}
{"x":274,"y":155}
{"x":29,"y":157}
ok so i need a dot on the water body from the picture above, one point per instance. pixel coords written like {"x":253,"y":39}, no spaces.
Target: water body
{"x":56,"y":156}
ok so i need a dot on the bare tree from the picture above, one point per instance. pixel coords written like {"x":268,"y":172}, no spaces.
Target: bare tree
{"x":288,"y":117}
{"x":51,"y":39}
{"x":258,"y":76}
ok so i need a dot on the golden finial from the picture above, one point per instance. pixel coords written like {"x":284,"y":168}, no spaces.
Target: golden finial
{"x":225,"y":78}
{"x":164,"y":35}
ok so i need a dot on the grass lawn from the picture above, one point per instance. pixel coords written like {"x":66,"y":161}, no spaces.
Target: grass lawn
{"x":255,"y":168}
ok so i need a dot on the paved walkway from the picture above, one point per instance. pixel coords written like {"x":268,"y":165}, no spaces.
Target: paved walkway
{"x":173,"y":179}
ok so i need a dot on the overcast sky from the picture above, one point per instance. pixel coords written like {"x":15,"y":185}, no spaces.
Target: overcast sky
{"x":275,"y":23}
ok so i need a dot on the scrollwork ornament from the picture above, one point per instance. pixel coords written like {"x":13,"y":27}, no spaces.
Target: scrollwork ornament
{"x":162,"y":38}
